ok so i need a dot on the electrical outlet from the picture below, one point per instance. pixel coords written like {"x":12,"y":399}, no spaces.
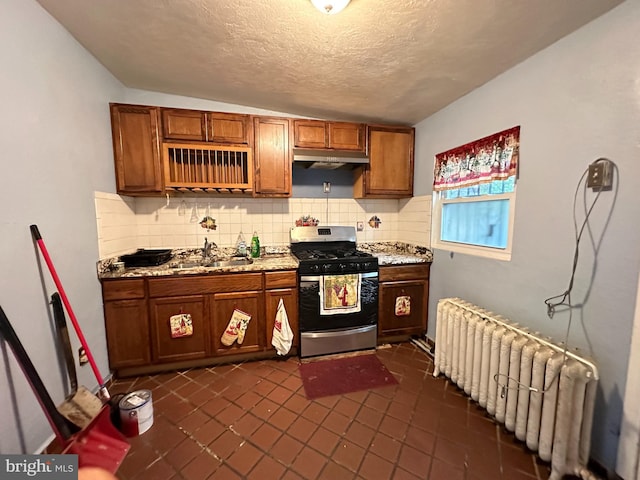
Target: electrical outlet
{"x":326,"y":187}
{"x":359,"y":226}
{"x":599,"y":176}
{"x":82,"y":356}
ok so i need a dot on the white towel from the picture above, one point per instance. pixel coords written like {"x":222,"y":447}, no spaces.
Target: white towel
{"x":282,"y":333}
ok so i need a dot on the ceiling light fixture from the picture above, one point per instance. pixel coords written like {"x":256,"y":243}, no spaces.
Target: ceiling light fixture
{"x":330,"y":7}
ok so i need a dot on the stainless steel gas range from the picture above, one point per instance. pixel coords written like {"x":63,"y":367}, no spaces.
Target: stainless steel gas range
{"x":338,"y":298}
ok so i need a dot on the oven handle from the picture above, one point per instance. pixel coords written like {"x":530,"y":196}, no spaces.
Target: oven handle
{"x":316,"y":278}
{"x":338,"y":332}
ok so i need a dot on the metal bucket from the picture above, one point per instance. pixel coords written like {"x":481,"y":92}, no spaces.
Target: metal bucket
{"x":136,"y":413}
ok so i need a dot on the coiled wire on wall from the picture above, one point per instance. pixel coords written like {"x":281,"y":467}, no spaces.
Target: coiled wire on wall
{"x":564,"y":299}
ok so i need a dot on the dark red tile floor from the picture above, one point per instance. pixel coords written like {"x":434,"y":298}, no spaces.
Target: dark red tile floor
{"x":252,"y":420}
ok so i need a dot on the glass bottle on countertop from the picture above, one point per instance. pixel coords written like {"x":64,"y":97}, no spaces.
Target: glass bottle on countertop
{"x":255,"y":245}
{"x":241,"y":245}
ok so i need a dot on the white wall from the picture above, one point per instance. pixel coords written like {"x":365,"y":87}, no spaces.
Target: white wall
{"x":56,"y":151}
{"x":576,"y":101}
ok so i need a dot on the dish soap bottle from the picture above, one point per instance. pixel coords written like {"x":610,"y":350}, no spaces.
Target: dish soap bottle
{"x":255,"y":245}
{"x":241,"y":245}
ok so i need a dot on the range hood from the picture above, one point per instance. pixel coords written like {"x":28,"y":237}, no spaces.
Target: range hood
{"x":329,"y":159}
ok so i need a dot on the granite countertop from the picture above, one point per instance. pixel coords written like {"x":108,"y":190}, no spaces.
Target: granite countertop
{"x":397,"y":253}
{"x":186,"y":261}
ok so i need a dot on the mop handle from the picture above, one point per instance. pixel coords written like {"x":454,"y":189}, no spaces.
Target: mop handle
{"x":36,"y":235}
{"x":56,"y":420}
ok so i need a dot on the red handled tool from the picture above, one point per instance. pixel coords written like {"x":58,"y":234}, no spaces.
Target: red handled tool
{"x":98,"y":444}
{"x":103,"y":393}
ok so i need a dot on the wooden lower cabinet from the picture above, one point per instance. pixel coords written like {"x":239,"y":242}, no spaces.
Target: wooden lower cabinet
{"x":138,"y":312}
{"x":403,"y":301}
{"x":168,"y":349}
{"x":222,"y":308}
{"x":127,"y":333}
{"x":289,"y":297}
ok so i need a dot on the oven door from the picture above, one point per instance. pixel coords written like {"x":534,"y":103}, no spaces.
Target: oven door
{"x":311,"y":319}
{"x":340,"y":332}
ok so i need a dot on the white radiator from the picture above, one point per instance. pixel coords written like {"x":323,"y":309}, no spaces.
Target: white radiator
{"x":513,"y":374}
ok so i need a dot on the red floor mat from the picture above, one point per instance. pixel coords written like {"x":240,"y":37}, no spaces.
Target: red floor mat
{"x":338,"y":376}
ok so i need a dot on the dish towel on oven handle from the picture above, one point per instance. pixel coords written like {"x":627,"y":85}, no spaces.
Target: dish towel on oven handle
{"x":340,"y":294}
{"x":282,"y":334}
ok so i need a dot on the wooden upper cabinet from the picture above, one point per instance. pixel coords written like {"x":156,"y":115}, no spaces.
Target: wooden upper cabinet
{"x":390,"y":170}
{"x":179,"y":124}
{"x":199,"y":126}
{"x":329,"y":135}
{"x":309,"y":134}
{"x":272,"y":156}
{"x":136,"y":149}
{"x":346,"y":136}
{"x":228,"y":128}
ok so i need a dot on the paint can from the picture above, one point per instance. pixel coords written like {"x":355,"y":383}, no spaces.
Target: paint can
{"x":136,"y":413}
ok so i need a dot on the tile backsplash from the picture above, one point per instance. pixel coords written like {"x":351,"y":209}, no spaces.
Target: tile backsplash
{"x":126,"y":223}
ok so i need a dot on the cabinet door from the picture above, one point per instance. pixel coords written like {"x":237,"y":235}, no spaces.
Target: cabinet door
{"x":309,"y":134}
{"x":184,"y":124}
{"x":136,"y":149}
{"x":347,"y":136}
{"x":290,"y":299}
{"x":393,"y":319}
{"x":169,"y":349}
{"x":390,"y":170}
{"x":127,"y":330}
{"x":272,"y":156}
{"x":228,"y":128}
{"x":222,"y":307}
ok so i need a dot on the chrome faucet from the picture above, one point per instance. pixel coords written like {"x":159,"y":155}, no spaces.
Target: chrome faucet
{"x":206,"y":250}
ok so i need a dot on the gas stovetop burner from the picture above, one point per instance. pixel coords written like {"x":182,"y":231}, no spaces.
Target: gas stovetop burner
{"x":330,"y":250}
{"x":331,"y":254}
{"x":314,"y":255}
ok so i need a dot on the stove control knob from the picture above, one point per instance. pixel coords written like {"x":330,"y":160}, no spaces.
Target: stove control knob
{"x":342,"y":267}
{"x":326,"y":267}
{"x":315,"y":268}
{"x":366,"y":265}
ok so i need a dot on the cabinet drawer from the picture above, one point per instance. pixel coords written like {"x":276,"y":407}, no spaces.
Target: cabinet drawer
{"x":169,"y":287}
{"x":279,"y":279}
{"x":122,"y":289}
{"x":404,"y":272}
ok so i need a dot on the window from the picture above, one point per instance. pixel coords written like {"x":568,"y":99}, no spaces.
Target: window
{"x":475,"y":220}
{"x":474,"y":195}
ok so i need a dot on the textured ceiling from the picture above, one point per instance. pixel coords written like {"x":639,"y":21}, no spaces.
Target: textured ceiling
{"x":394,"y":61}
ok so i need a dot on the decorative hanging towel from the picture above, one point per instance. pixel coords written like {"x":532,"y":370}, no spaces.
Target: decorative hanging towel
{"x":403,"y":306}
{"x":230,"y":335}
{"x":340,"y":294}
{"x":181,"y":325}
{"x":242,"y":326}
{"x":282,"y":333}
